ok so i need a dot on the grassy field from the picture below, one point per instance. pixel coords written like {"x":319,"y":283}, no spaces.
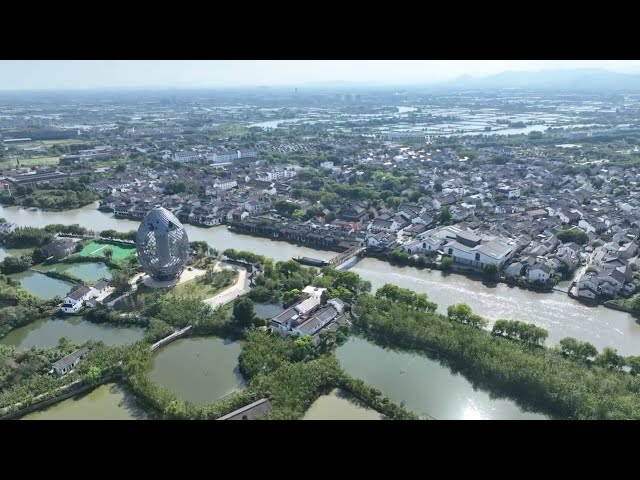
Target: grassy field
{"x":199,"y":288}
{"x":96,"y":249}
{"x":28,"y":162}
{"x":68,"y":141}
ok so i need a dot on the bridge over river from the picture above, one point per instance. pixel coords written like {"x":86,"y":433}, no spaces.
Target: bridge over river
{"x":336,"y":261}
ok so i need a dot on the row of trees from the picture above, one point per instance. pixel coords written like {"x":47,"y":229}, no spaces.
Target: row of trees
{"x":554,"y":380}
{"x":243,"y":255}
{"x":26,"y":237}
{"x":462,"y":313}
{"x":130,"y":235}
{"x":526,"y":332}
{"x":408,"y":297}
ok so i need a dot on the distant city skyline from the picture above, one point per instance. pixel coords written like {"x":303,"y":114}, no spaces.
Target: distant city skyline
{"x":96,"y":74}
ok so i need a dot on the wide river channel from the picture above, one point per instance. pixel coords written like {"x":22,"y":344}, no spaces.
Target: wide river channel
{"x":556,"y":312}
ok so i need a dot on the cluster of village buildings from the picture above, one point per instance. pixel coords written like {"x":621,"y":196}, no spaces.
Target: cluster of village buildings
{"x":310,"y":315}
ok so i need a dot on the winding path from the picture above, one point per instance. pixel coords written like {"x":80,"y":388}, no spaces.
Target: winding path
{"x":240,"y":287}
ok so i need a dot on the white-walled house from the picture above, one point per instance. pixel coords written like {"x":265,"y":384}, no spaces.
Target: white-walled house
{"x":468,"y":250}
{"x":315,"y":292}
{"x":515,"y":269}
{"x":74,"y":301}
{"x":539,"y":272}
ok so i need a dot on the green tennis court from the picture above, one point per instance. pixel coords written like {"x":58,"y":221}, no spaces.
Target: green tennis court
{"x":96,"y":249}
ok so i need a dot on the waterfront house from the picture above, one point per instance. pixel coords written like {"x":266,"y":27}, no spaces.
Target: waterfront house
{"x":319,"y":319}
{"x":59,"y":248}
{"x":100,"y":286}
{"x":515,"y":269}
{"x":66,"y":364}
{"x":467,"y":249}
{"x":539,"y":272}
{"x":74,"y":301}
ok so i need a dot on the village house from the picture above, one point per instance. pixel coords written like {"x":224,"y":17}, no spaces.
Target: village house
{"x":59,"y":248}
{"x":75,"y":300}
{"x":66,"y":364}
{"x":539,"y":272}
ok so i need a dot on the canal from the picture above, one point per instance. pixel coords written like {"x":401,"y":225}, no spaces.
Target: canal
{"x":556,"y":312}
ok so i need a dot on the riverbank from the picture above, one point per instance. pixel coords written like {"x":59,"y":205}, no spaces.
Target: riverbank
{"x":556,"y":312}
{"x":616,"y":305}
{"x":540,"y":378}
{"x":385,"y":256}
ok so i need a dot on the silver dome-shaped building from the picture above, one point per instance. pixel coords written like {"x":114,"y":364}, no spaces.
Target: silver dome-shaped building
{"x":162,"y":244}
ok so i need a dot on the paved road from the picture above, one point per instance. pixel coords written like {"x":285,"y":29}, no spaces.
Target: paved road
{"x":231,"y":293}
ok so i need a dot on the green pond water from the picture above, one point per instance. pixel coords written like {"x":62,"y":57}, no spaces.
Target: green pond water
{"x":426,"y":386}
{"x":41,"y":286}
{"x":106,"y":402}
{"x":89,"y":272}
{"x":198,"y":370}
{"x":336,"y":406}
{"x":46,"y":333}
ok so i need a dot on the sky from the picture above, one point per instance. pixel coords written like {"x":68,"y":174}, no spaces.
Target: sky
{"x":81,"y":74}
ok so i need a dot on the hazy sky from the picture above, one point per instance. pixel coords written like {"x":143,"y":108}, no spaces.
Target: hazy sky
{"x":71,"y":74}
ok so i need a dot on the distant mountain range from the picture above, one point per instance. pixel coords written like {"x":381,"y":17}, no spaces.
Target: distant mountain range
{"x":583,"y":79}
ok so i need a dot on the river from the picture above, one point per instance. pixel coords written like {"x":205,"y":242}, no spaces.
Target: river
{"x":556,"y":312}
{"x":45,"y":333}
{"x":106,"y":402}
{"x":426,"y":386}
{"x":559,"y":314}
{"x":199,"y":370}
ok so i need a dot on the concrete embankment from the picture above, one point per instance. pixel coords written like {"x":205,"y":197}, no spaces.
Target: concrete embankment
{"x":615,"y":306}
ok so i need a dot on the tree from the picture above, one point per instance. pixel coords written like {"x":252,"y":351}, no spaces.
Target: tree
{"x":446,"y":262}
{"x":573,"y":235}
{"x":108,"y":253}
{"x":437,"y":187}
{"x":243,"y":311}
{"x":38,"y":256}
{"x":634,"y":363}
{"x":490,"y":270}
{"x":399,"y":256}
{"x":609,"y":358}
{"x":297,"y":214}
{"x":94,"y":374}
{"x":445,"y":215}
{"x":634,"y":303}
{"x":289,"y":296}
{"x":302,"y":348}
{"x":459,"y":313}
{"x":324,"y":297}
{"x":569,"y":346}
{"x":587,"y":351}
